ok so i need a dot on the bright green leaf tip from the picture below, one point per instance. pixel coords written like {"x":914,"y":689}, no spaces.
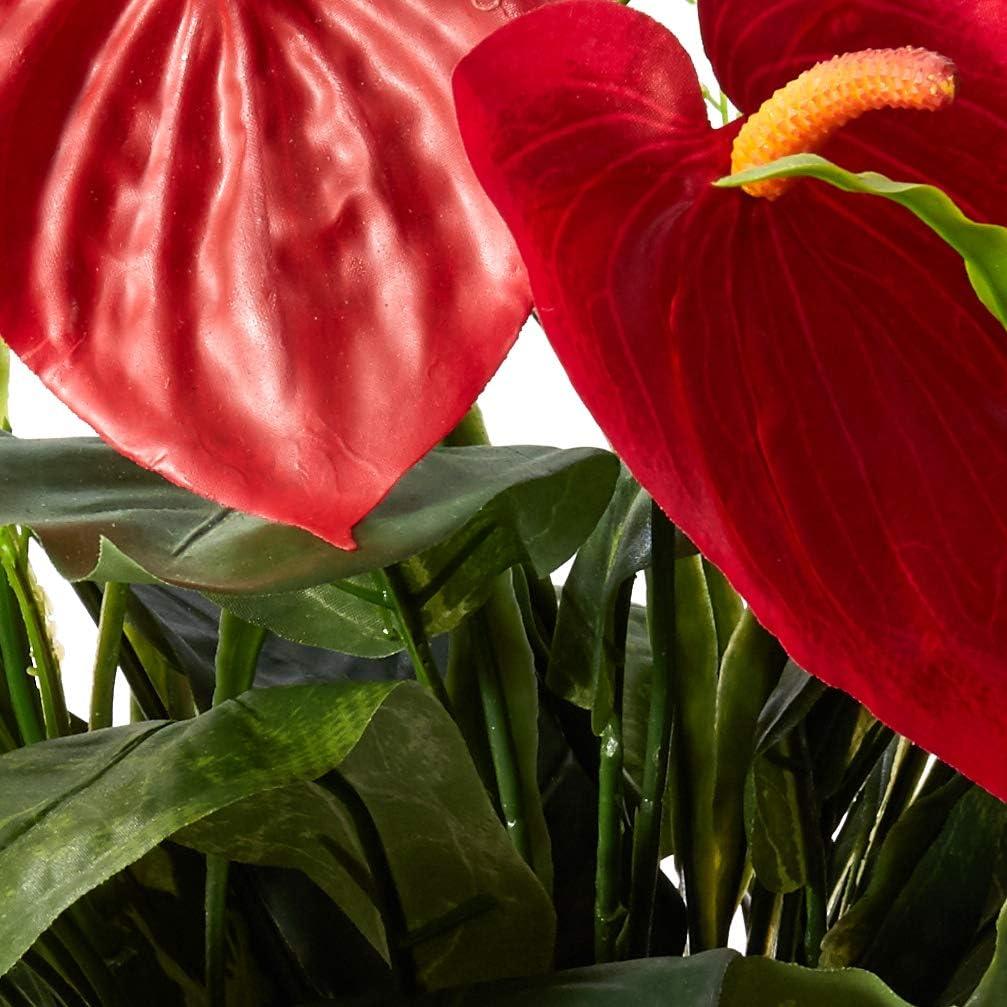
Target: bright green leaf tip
{"x":982,"y":246}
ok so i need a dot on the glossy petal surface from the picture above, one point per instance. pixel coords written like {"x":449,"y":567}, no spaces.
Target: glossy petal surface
{"x":241,"y":238}
{"x":808,"y":387}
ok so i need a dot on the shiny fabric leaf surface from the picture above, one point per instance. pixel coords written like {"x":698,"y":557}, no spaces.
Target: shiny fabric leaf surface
{"x":809,"y":388}
{"x":242,"y":240}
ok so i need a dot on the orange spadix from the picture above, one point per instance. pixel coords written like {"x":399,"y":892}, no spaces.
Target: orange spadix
{"x":802,"y":115}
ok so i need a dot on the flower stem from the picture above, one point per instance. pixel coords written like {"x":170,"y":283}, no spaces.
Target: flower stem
{"x":16,"y":661}
{"x":410,"y":626}
{"x":106,"y":660}
{"x":608,"y":908}
{"x":54,"y":711}
{"x":502,"y":744}
{"x":647,"y":832}
{"x":239,"y":644}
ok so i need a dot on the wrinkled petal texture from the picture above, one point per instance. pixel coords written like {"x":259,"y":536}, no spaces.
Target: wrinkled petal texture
{"x":242,"y":240}
{"x":808,"y":387}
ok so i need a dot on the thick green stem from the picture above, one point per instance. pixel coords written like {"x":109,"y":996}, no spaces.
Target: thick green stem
{"x":608,"y":907}
{"x":54,"y":711}
{"x":148,"y":703}
{"x":647,"y":832}
{"x":410,"y":626}
{"x":239,"y":644}
{"x":16,"y":661}
{"x":106,"y":660}
{"x":502,"y":744}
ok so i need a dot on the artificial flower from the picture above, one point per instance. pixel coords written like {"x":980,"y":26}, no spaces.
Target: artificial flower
{"x":807,"y":385}
{"x":241,"y":238}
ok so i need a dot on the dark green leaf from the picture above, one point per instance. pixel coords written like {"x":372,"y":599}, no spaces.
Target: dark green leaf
{"x":444,"y":846}
{"x":76,"y":810}
{"x":582,"y":648}
{"x":789,"y":702}
{"x":982,"y":246}
{"x":493,"y":643}
{"x":103,"y":518}
{"x":936,"y":873}
{"x":651,"y":982}
{"x":992,"y":991}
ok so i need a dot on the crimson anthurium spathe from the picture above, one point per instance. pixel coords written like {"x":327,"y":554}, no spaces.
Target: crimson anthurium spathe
{"x":806,"y":384}
{"x":242,"y":240}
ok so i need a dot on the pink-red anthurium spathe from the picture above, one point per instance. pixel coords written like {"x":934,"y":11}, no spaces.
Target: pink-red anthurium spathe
{"x":808,"y":386}
{"x":241,"y":237}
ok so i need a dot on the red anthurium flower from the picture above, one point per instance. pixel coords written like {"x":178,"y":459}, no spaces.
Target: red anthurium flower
{"x":807,"y":384}
{"x":242,"y":240}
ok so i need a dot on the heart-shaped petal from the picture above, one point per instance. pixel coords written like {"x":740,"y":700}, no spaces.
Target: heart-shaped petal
{"x":809,"y":387}
{"x":241,"y":238}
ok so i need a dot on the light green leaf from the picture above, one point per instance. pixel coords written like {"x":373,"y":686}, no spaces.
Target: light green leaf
{"x":982,"y":246}
{"x":75,"y":811}
{"x":762,"y":982}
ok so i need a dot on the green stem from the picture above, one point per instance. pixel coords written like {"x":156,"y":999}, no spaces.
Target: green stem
{"x":503,"y":747}
{"x":144,"y":694}
{"x":106,"y":660}
{"x":608,"y":908}
{"x":20,"y":684}
{"x":410,"y":626}
{"x":647,"y":831}
{"x":217,"y":871}
{"x":54,"y":711}
{"x":239,"y":644}
{"x":764,"y":921}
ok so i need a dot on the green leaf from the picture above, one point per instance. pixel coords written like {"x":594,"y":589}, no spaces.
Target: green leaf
{"x":539,"y":521}
{"x":103,"y":518}
{"x":457,"y":876}
{"x":794,"y":695}
{"x":913,"y":926}
{"x":580,"y":664}
{"x":982,"y":246}
{"x":636,"y":693}
{"x":992,"y":991}
{"x":493,"y":647}
{"x":410,"y":773}
{"x":651,"y":982}
{"x":762,"y":982}
{"x":75,"y":811}
{"x":718,"y":978}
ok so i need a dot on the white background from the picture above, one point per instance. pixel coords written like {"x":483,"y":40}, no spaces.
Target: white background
{"x":528,"y":402}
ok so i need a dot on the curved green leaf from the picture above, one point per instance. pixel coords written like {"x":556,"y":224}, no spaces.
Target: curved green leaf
{"x":718,"y":978}
{"x":982,"y":246}
{"x":650,"y":982}
{"x":762,"y":982}
{"x":473,"y":908}
{"x":75,"y":811}
{"x":992,"y":990}
{"x":103,"y":518}
{"x":580,"y":659}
